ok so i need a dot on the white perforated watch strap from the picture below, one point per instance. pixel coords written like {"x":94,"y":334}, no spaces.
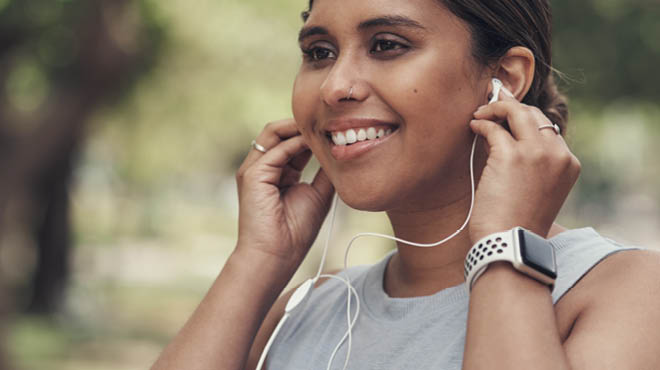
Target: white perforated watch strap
{"x":492,"y":248}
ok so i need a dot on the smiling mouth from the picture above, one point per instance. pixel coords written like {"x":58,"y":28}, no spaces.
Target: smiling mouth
{"x":358,"y":135}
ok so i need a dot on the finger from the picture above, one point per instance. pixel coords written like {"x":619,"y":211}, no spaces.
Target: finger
{"x":544,"y":129}
{"x":494,"y":133}
{"x":300,"y":161}
{"x":519,"y":116}
{"x":276,"y":131}
{"x":293,"y":170}
{"x":272,"y":134}
{"x":539,"y":117}
{"x":290,"y":177}
{"x":273,"y":163}
{"x":506,"y":95}
{"x":323,"y":186}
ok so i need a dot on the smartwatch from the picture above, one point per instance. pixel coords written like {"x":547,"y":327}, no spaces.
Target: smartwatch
{"x":529,"y":253}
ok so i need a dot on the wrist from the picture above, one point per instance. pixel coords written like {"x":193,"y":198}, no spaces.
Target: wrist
{"x":267,"y":252}
{"x":519,"y":249}
{"x":477,"y":232}
{"x":503,"y":277}
{"x":268,"y":269}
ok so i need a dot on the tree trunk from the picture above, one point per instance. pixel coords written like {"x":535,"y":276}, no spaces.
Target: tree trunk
{"x":53,"y":238}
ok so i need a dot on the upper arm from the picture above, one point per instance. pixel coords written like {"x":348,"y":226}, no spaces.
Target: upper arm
{"x":620,"y":326}
{"x":273,"y":317}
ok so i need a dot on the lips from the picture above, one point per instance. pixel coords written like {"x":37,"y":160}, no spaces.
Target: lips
{"x":350,"y":138}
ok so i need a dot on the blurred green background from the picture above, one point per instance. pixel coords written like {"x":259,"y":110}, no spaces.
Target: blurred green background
{"x":122,"y":123}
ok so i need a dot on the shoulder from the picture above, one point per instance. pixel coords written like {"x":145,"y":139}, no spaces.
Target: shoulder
{"x":618,"y":325}
{"x":601,"y":271}
{"x":579,"y":252}
{"x":627,"y":274}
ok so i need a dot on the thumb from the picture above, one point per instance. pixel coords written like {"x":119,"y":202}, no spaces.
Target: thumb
{"x":323,"y":187}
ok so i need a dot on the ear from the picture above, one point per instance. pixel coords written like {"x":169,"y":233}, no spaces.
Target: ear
{"x":516,"y":70}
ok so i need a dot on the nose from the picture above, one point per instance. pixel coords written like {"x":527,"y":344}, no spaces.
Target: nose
{"x":343,"y":83}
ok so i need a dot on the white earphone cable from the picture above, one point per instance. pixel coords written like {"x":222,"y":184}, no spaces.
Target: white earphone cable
{"x":351,"y":289}
{"x":335,"y":200}
{"x":422,"y":245}
{"x":497,"y":88}
{"x":271,"y":340}
{"x":351,"y":322}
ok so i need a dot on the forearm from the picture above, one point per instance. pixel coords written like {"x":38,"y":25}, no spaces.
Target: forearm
{"x":512,"y":324}
{"x":220,"y":332}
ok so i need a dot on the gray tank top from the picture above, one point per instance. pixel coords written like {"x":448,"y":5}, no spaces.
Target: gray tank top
{"x":406,"y":333}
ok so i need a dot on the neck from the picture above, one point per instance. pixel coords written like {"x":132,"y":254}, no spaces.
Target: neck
{"x":416,"y":271}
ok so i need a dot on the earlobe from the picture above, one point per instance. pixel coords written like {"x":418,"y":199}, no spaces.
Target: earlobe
{"x":516,"y":71}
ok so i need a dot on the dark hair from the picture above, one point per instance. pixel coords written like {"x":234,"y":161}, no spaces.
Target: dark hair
{"x":497,"y":26}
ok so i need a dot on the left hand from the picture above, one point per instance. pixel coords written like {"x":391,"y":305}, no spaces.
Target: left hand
{"x":528,"y":174}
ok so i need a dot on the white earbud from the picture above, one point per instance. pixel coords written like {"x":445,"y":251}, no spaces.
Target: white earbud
{"x":498,"y":87}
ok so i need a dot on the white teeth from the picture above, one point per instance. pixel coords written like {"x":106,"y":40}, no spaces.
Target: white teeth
{"x":351,"y":136}
{"x":371,"y":133}
{"x":339,"y":139}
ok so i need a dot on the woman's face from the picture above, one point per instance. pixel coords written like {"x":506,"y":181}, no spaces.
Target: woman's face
{"x":413,"y":85}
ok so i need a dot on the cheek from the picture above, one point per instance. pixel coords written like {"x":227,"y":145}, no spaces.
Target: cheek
{"x":305,"y":104}
{"x":436,"y":100}
{"x":303,"y":101}
{"x":439,"y":87}
{"x":434,"y":96}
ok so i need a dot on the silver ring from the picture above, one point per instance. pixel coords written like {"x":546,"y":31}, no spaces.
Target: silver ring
{"x":350,"y":93}
{"x":258,"y":147}
{"x":553,"y":126}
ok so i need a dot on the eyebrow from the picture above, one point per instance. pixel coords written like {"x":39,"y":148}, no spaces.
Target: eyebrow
{"x":311,"y":31}
{"x":385,"y":21}
{"x":390,"y":21}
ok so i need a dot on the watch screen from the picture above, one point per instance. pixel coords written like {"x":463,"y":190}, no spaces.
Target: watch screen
{"x":537,"y":253}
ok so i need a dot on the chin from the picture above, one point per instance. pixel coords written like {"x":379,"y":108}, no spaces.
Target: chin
{"x":374,"y":201}
{"x":378,"y":189}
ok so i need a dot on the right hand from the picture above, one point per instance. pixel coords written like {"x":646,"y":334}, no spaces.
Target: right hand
{"x":279,"y":215}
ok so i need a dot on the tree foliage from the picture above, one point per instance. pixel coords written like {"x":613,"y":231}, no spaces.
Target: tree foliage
{"x":609,"y":49}
{"x":59,"y":62}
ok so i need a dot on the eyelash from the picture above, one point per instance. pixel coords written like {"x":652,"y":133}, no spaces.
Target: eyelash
{"x":310,"y":54}
{"x":394,"y":47}
{"x":394,"y":44}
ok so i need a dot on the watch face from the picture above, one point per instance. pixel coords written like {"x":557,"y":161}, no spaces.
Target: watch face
{"x":538,"y":253}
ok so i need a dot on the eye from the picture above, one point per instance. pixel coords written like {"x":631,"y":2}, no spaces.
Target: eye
{"x":317,"y":54}
{"x":386,"y":46}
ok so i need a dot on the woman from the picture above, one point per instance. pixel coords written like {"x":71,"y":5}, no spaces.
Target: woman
{"x":389,"y":96}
